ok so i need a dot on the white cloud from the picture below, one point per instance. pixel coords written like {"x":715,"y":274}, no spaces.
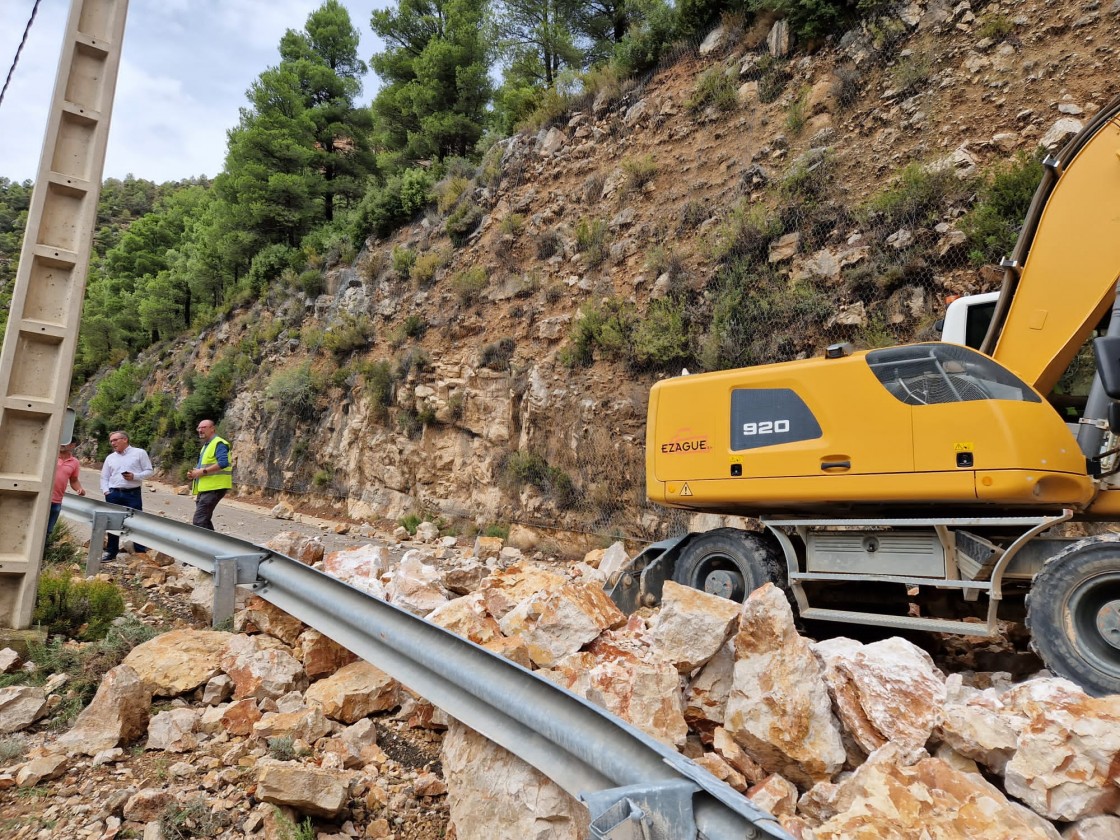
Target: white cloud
{"x":185,"y":68}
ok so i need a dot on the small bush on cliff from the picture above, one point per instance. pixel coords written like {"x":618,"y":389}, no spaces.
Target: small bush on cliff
{"x":469,"y":284}
{"x":992,"y":226}
{"x":291,"y":389}
{"x":532,"y":468}
{"x":462,"y":222}
{"x":350,"y":333}
{"x":496,"y":355}
{"x":591,"y":240}
{"x":661,"y":339}
{"x":714,"y":88}
{"x":379,"y":381}
{"x":919,"y":194}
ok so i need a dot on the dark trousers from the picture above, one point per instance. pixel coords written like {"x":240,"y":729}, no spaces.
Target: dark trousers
{"x":129,"y":497}
{"x":56,"y":509}
{"x":204,"y":505}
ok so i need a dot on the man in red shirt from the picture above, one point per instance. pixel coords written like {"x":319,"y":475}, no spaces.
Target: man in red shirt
{"x":66,"y":471}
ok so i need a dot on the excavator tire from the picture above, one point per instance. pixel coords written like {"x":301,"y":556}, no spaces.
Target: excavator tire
{"x":730,"y":563}
{"x":1073,"y":614}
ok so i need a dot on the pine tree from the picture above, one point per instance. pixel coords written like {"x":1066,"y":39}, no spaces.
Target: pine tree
{"x":435,"y":71}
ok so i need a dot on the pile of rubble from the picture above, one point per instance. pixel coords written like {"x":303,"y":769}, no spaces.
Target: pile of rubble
{"x":274,"y":723}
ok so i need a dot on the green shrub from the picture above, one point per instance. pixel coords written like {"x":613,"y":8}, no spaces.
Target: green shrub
{"x":410,"y":522}
{"x":291,"y":388}
{"x":424,"y":270}
{"x":747,"y":301}
{"x":607,"y":326}
{"x":322,"y":478}
{"x":591,"y":240}
{"x":809,"y":178}
{"x":409,"y":423}
{"x":773,"y":78}
{"x":511,"y":225}
{"x":638,"y":172}
{"x":746,"y":233}
{"x":413,"y":326}
{"x":661,"y":339}
{"x":715,"y":88}
{"x":648,"y":38}
{"x":993,"y":224}
{"x":311,"y":282}
{"x":75,"y":607}
{"x":381,"y":211}
{"x":995,"y":26}
{"x":469,"y":284}
{"x":462,"y":222}
{"x":403,"y":259}
{"x":495,"y":530}
{"x":449,"y":191}
{"x":61,"y":549}
{"x":911,"y":72}
{"x":11,"y":750}
{"x":349,"y":333}
{"x":549,"y":243}
{"x":531,"y":468}
{"x":919,"y":195}
{"x":379,"y":381}
{"x":797,"y":113}
{"x":269,"y":263}
{"x":810,"y":19}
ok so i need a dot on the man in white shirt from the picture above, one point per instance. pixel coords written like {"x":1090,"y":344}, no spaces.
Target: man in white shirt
{"x":122,"y":478}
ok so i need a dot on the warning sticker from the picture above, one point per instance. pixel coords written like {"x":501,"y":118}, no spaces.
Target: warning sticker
{"x":686,"y":490}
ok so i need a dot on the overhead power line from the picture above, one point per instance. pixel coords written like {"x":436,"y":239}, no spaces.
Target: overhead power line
{"x":19,"y":49}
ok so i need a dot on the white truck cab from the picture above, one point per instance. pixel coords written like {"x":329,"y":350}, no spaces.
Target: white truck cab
{"x":967,"y":318}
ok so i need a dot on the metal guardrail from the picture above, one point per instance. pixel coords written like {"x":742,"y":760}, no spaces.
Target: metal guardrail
{"x":634,"y":787}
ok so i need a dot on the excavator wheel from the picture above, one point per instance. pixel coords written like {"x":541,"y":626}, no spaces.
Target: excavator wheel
{"x":729,"y":563}
{"x":1073,"y":613}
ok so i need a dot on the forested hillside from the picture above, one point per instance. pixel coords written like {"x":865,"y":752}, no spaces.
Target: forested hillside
{"x":452,"y":299}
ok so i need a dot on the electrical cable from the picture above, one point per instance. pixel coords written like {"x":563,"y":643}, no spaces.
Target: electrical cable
{"x":19,"y":49}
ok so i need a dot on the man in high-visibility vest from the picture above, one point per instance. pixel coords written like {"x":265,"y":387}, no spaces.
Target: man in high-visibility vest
{"x":213,"y":476}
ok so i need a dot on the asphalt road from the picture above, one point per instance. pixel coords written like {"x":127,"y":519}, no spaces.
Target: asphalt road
{"x":232,"y":516}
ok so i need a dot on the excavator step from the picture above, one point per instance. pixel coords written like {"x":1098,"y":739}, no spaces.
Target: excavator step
{"x":981,"y":585}
{"x":898,"y":622}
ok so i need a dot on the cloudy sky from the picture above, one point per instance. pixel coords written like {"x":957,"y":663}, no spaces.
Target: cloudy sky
{"x":185,"y":68}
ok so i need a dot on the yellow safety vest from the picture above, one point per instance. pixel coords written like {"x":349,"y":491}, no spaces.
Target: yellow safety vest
{"x":223,"y":478}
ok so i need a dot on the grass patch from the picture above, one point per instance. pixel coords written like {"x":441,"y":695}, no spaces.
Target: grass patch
{"x":716,"y":89}
{"x":591,"y":240}
{"x":469,"y":284}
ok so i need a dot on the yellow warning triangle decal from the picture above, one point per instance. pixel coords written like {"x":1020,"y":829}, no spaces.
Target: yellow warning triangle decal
{"x":686,"y":491}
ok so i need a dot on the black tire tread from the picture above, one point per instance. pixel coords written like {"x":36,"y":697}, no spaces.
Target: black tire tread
{"x":1046,"y":622}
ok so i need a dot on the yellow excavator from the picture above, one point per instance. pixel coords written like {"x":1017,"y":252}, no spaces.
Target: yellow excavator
{"x":922,"y":486}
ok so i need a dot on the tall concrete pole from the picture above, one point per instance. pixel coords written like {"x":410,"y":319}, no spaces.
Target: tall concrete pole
{"x":37,"y":358}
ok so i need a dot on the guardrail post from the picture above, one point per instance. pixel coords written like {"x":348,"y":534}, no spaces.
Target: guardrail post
{"x":102,"y":522}
{"x":660,"y":811}
{"x":230,"y":570}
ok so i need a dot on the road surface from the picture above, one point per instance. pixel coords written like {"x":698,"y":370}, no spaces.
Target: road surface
{"x":234,"y":517}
